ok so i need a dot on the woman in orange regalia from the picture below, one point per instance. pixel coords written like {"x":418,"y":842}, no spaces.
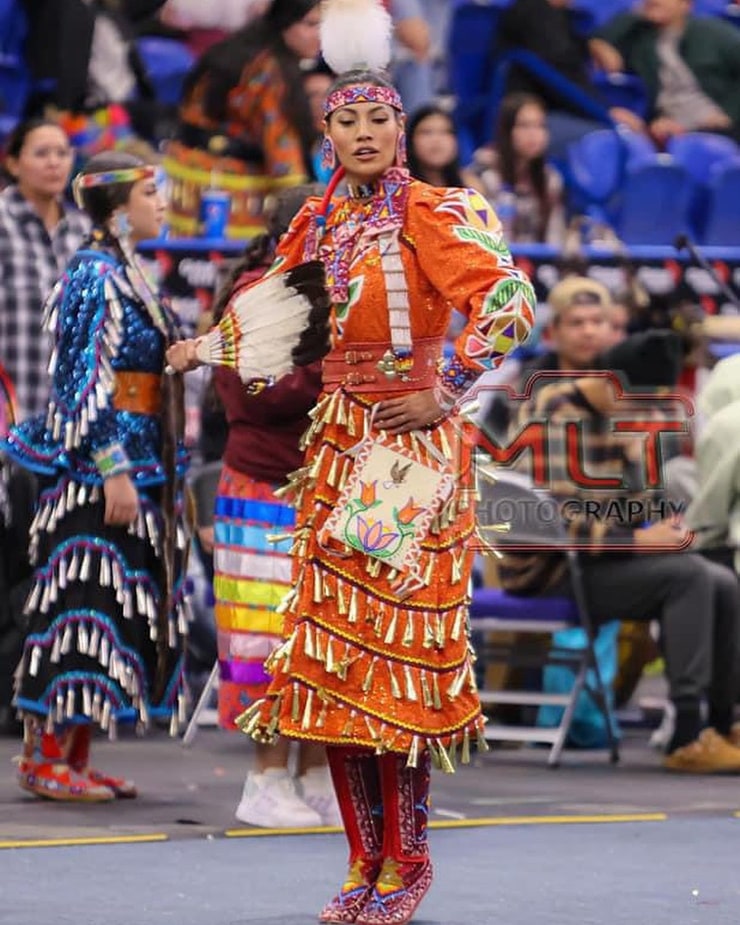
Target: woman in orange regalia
{"x":382,"y":674}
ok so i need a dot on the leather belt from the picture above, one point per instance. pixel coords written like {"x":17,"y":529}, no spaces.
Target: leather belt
{"x":139,"y":393}
{"x":373,"y":367}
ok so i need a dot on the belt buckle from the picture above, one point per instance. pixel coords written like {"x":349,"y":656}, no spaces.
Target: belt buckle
{"x":392,"y":365}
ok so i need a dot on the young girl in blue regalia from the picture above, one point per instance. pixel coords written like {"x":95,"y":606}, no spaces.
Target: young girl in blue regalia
{"x":106,"y":609}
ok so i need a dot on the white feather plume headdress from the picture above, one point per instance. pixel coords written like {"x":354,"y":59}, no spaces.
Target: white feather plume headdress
{"x":355,"y":34}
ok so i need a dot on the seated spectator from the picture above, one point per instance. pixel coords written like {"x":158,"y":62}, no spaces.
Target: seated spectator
{"x":525,"y":191}
{"x":246,"y":117}
{"x":316,"y":83}
{"x":714,"y":513}
{"x":85,"y":52}
{"x":578,"y":331}
{"x":578,"y":326}
{"x":545,"y":28}
{"x":634,"y":571}
{"x":412,"y":53}
{"x":39,"y":232}
{"x":690,"y":66}
{"x":433,"y":150}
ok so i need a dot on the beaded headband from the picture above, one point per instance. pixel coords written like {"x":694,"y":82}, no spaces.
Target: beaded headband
{"x":346,"y":96}
{"x":109,"y":177}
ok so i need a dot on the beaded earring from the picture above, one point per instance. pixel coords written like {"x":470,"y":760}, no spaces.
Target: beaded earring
{"x":328,"y":154}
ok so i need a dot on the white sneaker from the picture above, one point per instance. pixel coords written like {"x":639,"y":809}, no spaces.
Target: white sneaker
{"x":316,"y":789}
{"x":270,"y":800}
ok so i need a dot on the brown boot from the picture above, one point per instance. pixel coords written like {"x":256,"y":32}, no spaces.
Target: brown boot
{"x":78,"y":757}
{"x":44,"y":771}
{"x":710,"y":753}
{"x":356,"y":782}
{"x":406,"y":873}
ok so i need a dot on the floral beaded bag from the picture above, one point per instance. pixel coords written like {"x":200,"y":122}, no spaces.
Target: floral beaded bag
{"x":390,"y":499}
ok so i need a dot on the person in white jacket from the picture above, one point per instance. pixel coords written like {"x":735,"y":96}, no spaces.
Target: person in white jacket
{"x":714,"y":514}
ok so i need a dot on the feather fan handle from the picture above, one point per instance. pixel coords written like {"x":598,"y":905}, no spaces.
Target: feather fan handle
{"x":355,"y":34}
{"x":266,"y":328}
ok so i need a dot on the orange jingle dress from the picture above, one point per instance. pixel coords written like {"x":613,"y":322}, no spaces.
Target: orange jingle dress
{"x":362,"y":665}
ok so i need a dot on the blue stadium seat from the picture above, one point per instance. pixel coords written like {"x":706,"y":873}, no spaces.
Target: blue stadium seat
{"x":699,"y":153}
{"x":15,"y":83}
{"x":167,"y":63}
{"x":722,"y":228}
{"x":469,"y":49}
{"x":625,"y":90}
{"x":596,"y":164}
{"x":653,"y":202}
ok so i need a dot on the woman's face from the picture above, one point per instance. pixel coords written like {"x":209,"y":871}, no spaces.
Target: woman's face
{"x":365,"y":136}
{"x":44,"y":163}
{"x":529,"y":135}
{"x":302,"y":38}
{"x":145,"y":210}
{"x":435,"y":142}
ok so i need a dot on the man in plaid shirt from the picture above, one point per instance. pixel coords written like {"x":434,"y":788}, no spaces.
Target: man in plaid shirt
{"x":32,"y":258}
{"x":637,"y":570}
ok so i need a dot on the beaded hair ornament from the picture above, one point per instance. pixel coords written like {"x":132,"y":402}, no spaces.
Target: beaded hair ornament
{"x":109,"y":177}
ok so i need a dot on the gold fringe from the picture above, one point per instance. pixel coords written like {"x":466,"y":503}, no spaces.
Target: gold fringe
{"x":428,"y":634}
{"x":408,"y":633}
{"x":480,"y":742}
{"x":435,"y":692}
{"x":426,"y":693}
{"x":295,"y":711}
{"x":353,"y":606}
{"x":395,"y":687}
{"x":318,"y":596}
{"x":391,"y":631}
{"x":308,"y":646}
{"x":465,"y":755}
{"x":306,"y":721}
{"x":341,"y":599}
{"x":329,"y":663}
{"x":410,"y":689}
{"x":413,"y":758}
{"x":445,"y":765}
{"x":348,"y":726}
{"x":457,"y":625}
{"x":367,"y":683}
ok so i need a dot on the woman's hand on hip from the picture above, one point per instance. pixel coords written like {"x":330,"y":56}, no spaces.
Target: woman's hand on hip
{"x":121,"y":500}
{"x":409,"y":412}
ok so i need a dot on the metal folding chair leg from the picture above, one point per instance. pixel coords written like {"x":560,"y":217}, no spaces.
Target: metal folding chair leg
{"x":189,"y":735}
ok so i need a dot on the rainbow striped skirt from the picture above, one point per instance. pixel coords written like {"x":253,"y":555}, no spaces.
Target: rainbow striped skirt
{"x":252,"y":575}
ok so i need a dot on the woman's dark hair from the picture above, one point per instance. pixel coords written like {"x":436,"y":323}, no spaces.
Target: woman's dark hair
{"x":451,"y":171}
{"x":18,"y":138}
{"x":221,"y":67}
{"x":279,"y":213}
{"x":100,"y":202}
{"x":507,"y":116}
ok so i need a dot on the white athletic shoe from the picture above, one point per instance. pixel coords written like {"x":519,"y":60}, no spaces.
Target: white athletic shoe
{"x":316,"y":790}
{"x":270,"y":800}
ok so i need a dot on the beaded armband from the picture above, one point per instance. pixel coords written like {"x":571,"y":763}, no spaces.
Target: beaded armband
{"x":112,"y":460}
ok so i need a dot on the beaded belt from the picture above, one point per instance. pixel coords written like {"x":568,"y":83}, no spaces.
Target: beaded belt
{"x":139,"y":393}
{"x":373,"y":367}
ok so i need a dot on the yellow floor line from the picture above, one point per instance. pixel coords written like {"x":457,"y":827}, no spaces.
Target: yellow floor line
{"x":473,"y":823}
{"x":323,"y":830}
{"x":85,"y":840}
{"x":548,"y":820}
